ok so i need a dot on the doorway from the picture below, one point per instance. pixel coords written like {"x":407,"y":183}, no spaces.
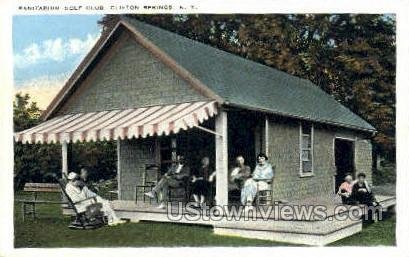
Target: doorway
{"x":241,"y":131}
{"x":344,"y":160}
{"x":241,"y":142}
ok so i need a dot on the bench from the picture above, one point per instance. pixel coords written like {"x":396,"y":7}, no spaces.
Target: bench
{"x":28,"y":206}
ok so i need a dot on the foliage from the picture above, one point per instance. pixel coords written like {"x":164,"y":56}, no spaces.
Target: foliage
{"x":99,"y":158}
{"x":38,"y":162}
{"x":32,"y":162}
{"x":386,"y":174}
{"x":350,"y":56}
{"x":25,"y":113}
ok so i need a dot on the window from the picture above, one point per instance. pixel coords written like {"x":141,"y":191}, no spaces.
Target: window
{"x":306,"y":149}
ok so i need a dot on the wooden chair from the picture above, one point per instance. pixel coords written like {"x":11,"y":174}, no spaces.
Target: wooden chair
{"x":150,"y":178}
{"x":265,"y":197}
{"x":174,"y":192}
{"x":91,"y":218}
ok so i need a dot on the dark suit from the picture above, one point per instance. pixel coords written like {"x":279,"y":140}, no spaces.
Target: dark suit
{"x":241,"y":177}
{"x":365,"y":197}
{"x":175,"y":177}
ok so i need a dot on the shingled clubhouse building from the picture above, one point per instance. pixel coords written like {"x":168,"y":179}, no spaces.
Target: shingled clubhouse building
{"x":157,"y":93}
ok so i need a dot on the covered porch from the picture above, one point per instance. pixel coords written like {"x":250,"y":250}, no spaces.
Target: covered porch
{"x":221,"y":138}
{"x":156,"y":135}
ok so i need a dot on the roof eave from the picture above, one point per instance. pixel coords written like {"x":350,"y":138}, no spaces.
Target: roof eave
{"x":337,"y":124}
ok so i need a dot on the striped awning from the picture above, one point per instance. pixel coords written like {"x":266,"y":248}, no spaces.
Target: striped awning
{"x":119,"y":124}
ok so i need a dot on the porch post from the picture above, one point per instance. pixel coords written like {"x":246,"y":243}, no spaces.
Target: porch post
{"x":64,"y":152}
{"x":266,"y":137}
{"x":65,"y":155}
{"x":221,"y":159}
{"x":118,"y":167}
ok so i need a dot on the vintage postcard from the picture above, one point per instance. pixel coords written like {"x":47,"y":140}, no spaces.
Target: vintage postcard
{"x":150,"y":126}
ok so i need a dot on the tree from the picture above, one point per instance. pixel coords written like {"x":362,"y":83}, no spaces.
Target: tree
{"x":25,"y":114}
{"x":39,"y":162}
{"x":32,"y":162}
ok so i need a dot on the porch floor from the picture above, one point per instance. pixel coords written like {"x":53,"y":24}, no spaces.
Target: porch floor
{"x":263,"y":223}
{"x":259,"y":212}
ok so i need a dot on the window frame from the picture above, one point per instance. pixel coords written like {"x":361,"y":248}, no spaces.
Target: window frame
{"x":301,"y":149}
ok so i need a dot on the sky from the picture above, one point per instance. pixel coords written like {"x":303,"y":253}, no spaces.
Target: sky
{"x":47,"y":49}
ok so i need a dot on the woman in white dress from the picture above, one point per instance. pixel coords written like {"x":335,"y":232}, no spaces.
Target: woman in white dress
{"x":79,"y":192}
{"x":258,"y":181}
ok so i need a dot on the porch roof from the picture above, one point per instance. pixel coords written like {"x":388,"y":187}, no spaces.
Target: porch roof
{"x":115,"y":124}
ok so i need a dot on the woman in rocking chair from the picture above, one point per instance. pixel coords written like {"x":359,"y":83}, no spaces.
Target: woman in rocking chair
{"x":79,"y":192}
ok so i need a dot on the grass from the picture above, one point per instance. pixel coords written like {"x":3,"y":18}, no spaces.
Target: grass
{"x":375,"y":234}
{"x":50,"y":230}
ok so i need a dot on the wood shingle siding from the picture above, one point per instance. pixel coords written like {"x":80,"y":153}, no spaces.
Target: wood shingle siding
{"x":284,"y":154}
{"x":132,"y":78}
{"x":134,"y":154}
{"x":363,"y":158}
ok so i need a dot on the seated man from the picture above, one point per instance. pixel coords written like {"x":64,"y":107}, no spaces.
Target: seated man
{"x":240,"y":173}
{"x":262,"y":172}
{"x":176,"y":176}
{"x":361,"y":192}
{"x":84,"y":178}
{"x":78,"y":191}
{"x":345,"y":190}
{"x":84,"y":174}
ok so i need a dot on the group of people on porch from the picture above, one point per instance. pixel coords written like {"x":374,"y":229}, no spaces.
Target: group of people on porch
{"x":178,"y":175}
{"x":202,"y":179}
{"x":249,"y":182}
{"x":356,"y":191}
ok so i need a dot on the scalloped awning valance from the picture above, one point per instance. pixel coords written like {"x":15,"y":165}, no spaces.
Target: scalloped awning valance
{"x":119,"y":124}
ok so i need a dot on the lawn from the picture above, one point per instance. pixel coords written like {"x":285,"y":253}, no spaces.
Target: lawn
{"x":50,"y":230}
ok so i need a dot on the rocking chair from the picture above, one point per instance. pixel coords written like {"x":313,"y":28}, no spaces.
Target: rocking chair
{"x":91,"y":218}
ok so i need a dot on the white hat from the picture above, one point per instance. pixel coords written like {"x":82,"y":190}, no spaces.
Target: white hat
{"x":72,"y":175}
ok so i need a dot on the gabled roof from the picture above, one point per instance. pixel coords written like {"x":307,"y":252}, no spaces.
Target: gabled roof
{"x":243,"y":83}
